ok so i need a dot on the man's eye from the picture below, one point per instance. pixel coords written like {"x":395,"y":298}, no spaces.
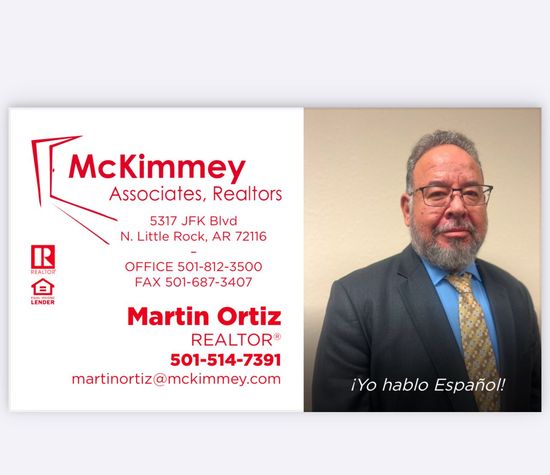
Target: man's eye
{"x":437,"y":193}
{"x":471,"y":192}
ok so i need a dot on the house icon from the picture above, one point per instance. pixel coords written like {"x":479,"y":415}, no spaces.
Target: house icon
{"x":42,"y":287}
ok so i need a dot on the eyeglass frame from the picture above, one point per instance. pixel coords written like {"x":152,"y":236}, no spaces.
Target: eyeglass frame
{"x":486,"y":188}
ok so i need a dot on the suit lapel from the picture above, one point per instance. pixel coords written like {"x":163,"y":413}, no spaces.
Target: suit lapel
{"x":424,"y":307}
{"x":504,"y":324}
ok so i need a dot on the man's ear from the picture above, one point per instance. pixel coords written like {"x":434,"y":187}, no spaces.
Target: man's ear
{"x":405,"y":208}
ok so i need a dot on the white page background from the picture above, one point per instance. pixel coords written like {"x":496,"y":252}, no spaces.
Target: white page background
{"x":248,"y":53}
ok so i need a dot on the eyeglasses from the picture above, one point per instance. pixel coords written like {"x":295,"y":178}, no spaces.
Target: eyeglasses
{"x":441,"y":196}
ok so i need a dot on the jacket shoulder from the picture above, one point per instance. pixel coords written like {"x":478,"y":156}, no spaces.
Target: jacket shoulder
{"x":371,"y":276}
{"x":498,"y":275}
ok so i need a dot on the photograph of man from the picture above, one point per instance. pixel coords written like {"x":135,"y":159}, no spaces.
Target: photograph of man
{"x":433,"y":328}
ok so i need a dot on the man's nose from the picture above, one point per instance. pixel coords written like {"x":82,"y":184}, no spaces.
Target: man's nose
{"x":456,"y":206}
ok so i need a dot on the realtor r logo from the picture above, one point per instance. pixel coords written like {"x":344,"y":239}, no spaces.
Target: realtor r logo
{"x":43,"y":256}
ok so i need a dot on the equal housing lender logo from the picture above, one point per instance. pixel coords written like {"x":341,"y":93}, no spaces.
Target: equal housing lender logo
{"x":43,"y":264}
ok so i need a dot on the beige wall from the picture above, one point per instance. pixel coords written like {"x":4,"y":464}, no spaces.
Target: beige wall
{"x":355,"y":173}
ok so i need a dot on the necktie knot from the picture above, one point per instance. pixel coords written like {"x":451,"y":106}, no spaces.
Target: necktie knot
{"x":462,"y":283}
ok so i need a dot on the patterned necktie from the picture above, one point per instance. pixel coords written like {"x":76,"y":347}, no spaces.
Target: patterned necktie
{"x":478,"y":352}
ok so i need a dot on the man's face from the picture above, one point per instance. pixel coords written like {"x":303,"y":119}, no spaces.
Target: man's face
{"x":450,"y":236}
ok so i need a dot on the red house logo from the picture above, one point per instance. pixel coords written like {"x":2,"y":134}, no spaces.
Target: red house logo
{"x":42,"y":287}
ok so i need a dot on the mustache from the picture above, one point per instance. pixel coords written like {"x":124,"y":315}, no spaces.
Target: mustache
{"x":455,"y":225}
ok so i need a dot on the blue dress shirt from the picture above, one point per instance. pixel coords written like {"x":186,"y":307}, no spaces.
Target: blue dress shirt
{"x":449,"y":298}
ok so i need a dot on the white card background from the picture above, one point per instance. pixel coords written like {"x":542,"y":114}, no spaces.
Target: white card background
{"x":86,"y":332}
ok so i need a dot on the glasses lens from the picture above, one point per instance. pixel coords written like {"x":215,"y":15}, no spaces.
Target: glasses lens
{"x":436,"y":195}
{"x":474,"y":195}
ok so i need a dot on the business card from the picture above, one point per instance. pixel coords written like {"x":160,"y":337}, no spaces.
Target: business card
{"x":156,"y":259}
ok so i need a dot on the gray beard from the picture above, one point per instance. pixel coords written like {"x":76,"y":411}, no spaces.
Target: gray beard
{"x":454,"y":258}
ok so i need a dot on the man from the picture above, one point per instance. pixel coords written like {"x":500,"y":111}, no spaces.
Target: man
{"x":432,"y":328}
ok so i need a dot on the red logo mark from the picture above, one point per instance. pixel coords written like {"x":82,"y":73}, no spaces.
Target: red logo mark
{"x":44,"y":169}
{"x":42,"y":287}
{"x":43,"y":256}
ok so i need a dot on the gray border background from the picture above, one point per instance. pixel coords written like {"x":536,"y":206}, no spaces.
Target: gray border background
{"x":345,"y":53}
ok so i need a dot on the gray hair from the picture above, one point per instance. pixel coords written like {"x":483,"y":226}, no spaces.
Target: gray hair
{"x":439,"y":137}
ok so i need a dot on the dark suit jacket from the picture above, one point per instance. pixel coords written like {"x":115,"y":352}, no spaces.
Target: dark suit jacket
{"x":386,"y":322}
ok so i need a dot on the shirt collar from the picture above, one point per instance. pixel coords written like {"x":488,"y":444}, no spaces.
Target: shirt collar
{"x":437,"y":274}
